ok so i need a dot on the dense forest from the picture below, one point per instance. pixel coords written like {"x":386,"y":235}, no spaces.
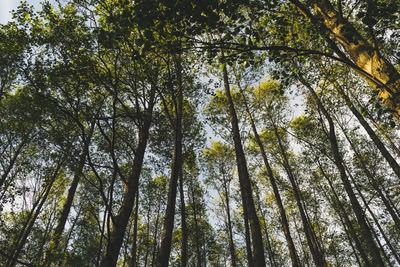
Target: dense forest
{"x":200,"y":133}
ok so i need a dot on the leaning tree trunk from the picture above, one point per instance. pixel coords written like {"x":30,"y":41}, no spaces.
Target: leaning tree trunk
{"x":365,"y":58}
{"x":284,"y":221}
{"x":379,"y":144}
{"x":244,"y":180}
{"x":183,"y":223}
{"x":312,"y":241}
{"x":177,"y":159}
{"x":37,"y":208}
{"x":338,"y":161}
{"x":120,"y":221}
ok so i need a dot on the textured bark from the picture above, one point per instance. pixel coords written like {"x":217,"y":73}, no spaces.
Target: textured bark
{"x":120,"y":221}
{"x":244,"y":180}
{"x":284,"y":221}
{"x":365,"y":58}
{"x":177,"y":160}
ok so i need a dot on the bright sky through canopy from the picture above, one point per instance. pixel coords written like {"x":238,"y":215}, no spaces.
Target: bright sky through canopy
{"x":7,"y":5}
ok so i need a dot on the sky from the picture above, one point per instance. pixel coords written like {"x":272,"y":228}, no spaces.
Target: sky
{"x":7,"y":5}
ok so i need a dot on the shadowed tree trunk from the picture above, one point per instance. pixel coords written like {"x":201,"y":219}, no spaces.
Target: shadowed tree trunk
{"x":183,"y":222}
{"x":244,"y":180}
{"x":20,"y":241}
{"x":338,"y":161}
{"x":379,"y":144}
{"x":177,"y":160}
{"x":135,"y":228}
{"x":284,"y":221}
{"x":312,"y":241}
{"x":120,"y":221}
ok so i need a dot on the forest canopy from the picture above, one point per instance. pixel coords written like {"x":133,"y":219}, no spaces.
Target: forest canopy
{"x":200,"y":133}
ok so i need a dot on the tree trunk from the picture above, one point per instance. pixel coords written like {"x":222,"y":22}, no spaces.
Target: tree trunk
{"x":284,"y":221}
{"x":244,"y":180}
{"x":247,"y":238}
{"x":347,"y":226}
{"x":382,"y":148}
{"x":339,"y":207}
{"x":373,"y":182}
{"x":312,"y":241}
{"x":365,"y":58}
{"x":338,"y":161}
{"x":120,"y":221}
{"x":155,"y":238}
{"x":228,"y":213}
{"x":196,"y":226}
{"x":135,"y":227}
{"x":183,"y":223}
{"x":51,"y":252}
{"x":177,"y":160}
{"x":20,"y":242}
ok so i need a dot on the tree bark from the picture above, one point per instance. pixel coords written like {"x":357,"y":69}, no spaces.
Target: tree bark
{"x":244,"y":180}
{"x":177,"y":160}
{"x":369,"y":63}
{"x":379,"y":144}
{"x":338,"y":161}
{"x":284,"y":221}
{"x":183,"y":223}
{"x":120,"y":221}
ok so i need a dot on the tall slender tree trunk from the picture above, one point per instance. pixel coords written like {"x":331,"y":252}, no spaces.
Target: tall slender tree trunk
{"x":379,"y":144}
{"x":13,"y":160}
{"x":177,"y":160}
{"x":284,"y":221}
{"x":247,"y":238}
{"x":183,"y":223}
{"x":49,"y":256}
{"x":196,"y":227}
{"x":336,"y":204}
{"x":244,"y":180}
{"x":372,"y":180}
{"x":155,"y":238}
{"x":338,"y":161}
{"x":120,"y":221}
{"x":20,"y":242}
{"x":135,"y":228}
{"x":228,"y":213}
{"x":312,"y":241}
